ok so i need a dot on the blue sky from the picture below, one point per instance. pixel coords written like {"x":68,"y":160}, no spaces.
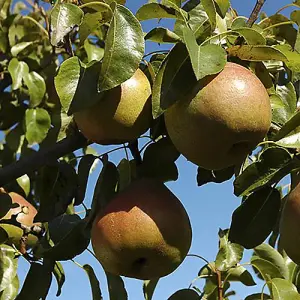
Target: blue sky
{"x":209,"y":207}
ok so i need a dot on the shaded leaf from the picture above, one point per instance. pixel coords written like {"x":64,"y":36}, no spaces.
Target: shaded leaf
{"x":37,"y":281}
{"x":223,"y":6}
{"x":240,"y":274}
{"x":6,"y":204}
{"x":149,"y":287}
{"x":125,"y":174}
{"x":259,"y":296}
{"x":210,"y":9}
{"x":255,"y":218}
{"x":159,"y":161}
{"x":124,"y":48}
{"x":95,"y":285}
{"x":218,"y":176}
{"x":186,"y":294}
{"x":84,"y":168}
{"x":116,"y":287}
{"x":56,"y":188}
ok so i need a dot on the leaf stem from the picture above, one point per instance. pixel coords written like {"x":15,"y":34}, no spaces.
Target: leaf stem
{"x":220,"y":285}
{"x":278,"y":25}
{"x":199,"y":256}
{"x":37,"y":24}
{"x":155,"y":52}
{"x":285,"y":7}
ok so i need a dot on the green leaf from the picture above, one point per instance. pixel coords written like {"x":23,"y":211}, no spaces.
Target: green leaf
{"x":218,"y":176}
{"x":256,"y":53}
{"x":18,"y":70}
{"x":293,"y":62}
{"x":210,"y":9}
{"x":207,"y":59}
{"x":283,"y":290}
{"x":155,"y":11}
{"x":162,"y":35}
{"x":159,"y":161}
{"x":94,"y":282}
{"x":60,"y":277}
{"x":124,"y":49}
{"x":173,"y":81}
{"x":38,"y":123}
{"x":273,"y":164}
{"x":149,"y":287}
{"x":223,"y":6}
{"x":255,"y":218}
{"x":16,"y":49}
{"x":66,"y":81}
{"x":92,"y":22}
{"x":56,"y":187}
{"x":36,"y":86}
{"x":64,"y":18}
{"x":93,"y":52}
{"x":291,"y":141}
{"x":11,"y":291}
{"x":37,"y":281}
{"x":186,"y":294}
{"x":84,"y":168}
{"x":6,"y":204}
{"x":24,"y":183}
{"x":8,"y":266}
{"x":116,"y":287}
{"x":3,"y":237}
{"x":268,"y":253}
{"x":288,"y":95}
{"x":229,"y":254}
{"x":251,"y":36}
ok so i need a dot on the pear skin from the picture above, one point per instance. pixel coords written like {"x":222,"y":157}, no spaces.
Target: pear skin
{"x":144,"y":232}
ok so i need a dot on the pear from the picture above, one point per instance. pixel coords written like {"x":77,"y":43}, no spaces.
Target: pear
{"x":122,"y":115}
{"x":290,"y":225}
{"x":144,"y":232}
{"x":222,"y":120}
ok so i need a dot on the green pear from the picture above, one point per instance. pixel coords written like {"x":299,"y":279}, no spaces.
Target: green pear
{"x":144,"y":232}
{"x":122,"y":115}
{"x":222,"y":120}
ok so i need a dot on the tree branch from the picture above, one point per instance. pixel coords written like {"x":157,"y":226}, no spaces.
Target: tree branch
{"x":37,"y":160}
{"x":254,"y":15}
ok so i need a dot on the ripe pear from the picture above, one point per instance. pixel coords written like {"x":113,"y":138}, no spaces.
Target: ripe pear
{"x":290,"y":225}
{"x":222,"y":119}
{"x":122,"y":115}
{"x":25,"y":213}
{"x":144,"y":232}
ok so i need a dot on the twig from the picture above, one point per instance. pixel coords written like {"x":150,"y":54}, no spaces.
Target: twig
{"x":254,"y":15}
{"x":220,"y":285}
{"x":37,"y":160}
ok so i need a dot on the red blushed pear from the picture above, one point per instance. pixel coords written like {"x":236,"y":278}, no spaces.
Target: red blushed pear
{"x":144,"y":232}
{"x":222,"y":120}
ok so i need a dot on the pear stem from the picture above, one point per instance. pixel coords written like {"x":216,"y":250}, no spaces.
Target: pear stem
{"x":220,"y":285}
